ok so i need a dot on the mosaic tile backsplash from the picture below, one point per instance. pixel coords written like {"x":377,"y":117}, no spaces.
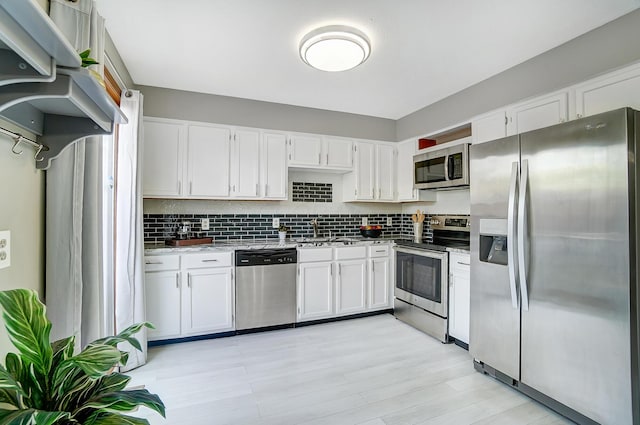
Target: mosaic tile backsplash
{"x":223,"y":227}
{"x":312,"y":192}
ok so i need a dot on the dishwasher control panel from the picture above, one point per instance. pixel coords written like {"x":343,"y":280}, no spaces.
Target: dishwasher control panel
{"x":266,"y":257}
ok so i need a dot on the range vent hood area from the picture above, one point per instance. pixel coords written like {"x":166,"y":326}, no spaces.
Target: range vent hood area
{"x":43,"y":89}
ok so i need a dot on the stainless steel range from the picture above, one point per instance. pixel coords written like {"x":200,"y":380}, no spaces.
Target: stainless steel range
{"x":422,"y":275}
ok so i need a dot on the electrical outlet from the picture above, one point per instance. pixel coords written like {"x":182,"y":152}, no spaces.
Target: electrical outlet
{"x":365,"y":221}
{"x":276,"y":223}
{"x":204,"y":224}
{"x":5,"y":249}
{"x":389,"y":221}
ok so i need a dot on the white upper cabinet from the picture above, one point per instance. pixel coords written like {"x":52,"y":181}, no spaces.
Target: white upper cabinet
{"x":374,"y":173}
{"x":274,"y":166}
{"x":490,"y":126}
{"x":163,"y":159}
{"x":406,"y":151}
{"x":538,"y":113}
{"x":208,"y":161}
{"x":320,"y":152}
{"x":612,"y":91}
{"x":245,"y":164}
{"x":338,"y":153}
{"x":385,"y":168}
{"x":305,"y":150}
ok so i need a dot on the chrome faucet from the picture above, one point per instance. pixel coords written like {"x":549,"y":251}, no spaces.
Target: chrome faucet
{"x":314,"y":223}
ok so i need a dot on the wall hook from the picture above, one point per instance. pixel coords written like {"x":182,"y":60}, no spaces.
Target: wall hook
{"x":40,"y":147}
{"x":15,"y":145}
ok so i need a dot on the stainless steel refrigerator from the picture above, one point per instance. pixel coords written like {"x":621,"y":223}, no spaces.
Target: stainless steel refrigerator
{"x":554,"y":290}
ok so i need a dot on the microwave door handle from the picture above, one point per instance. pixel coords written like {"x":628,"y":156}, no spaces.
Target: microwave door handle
{"x":446,"y":168}
{"x":450,"y":167}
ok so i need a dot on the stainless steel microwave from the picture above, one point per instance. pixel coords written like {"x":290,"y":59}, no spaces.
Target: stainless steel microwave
{"x":442,"y":168}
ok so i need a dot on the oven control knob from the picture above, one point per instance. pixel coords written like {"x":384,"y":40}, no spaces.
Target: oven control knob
{"x":436,"y":222}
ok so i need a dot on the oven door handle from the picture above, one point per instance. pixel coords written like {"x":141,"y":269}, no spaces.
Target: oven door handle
{"x":511,"y":234}
{"x":439,"y":255}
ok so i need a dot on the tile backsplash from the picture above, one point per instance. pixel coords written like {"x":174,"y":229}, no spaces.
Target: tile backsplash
{"x":222,"y":227}
{"x":312,"y":192}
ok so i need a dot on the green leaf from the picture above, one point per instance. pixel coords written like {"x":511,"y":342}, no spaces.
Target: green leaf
{"x":102,"y":418}
{"x":126,"y":401}
{"x":10,"y":390}
{"x":95,"y":361}
{"x":28,"y":327}
{"x":125,"y":336}
{"x":85,"y":54}
{"x":31,"y":417}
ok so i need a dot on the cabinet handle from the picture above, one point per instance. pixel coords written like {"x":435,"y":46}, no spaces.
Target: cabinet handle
{"x":451,"y":280}
{"x":257,"y":189}
{"x":463,"y":264}
{"x":179,"y":187}
{"x":319,"y":158}
{"x":154,"y":262}
{"x":189,"y":280}
{"x":190,"y":188}
{"x":234,"y":188}
{"x":327,"y":156}
{"x":177,"y":280}
{"x":339,"y":269}
{"x":209,"y":261}
{"x":379,"y":193}
{"x":373,"y":266}
{"x":381,"y":251}
{"x":265,"y":189}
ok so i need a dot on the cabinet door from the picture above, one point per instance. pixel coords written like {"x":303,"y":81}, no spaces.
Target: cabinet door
{"x":274,"y":166}
{"x":379,"y":284}
{"x":385,"y":181}
{"x":305,"y":150}
{"x":208,"y":161}
{"x":246,"y":164}
{"x":163,"y":159}
{"x":460,"y":295}
{"x":315,"y":291}
{"x":162,"y":304}
{"x":364,"y":169}
{"x":338,"y":153}
{"x":616,"y":90}
{"x":539,"y":113}
{"x":208,"y":299}
{"x":406,"y":151}
{"x":489,"y":127}
{"x":350,"y":286}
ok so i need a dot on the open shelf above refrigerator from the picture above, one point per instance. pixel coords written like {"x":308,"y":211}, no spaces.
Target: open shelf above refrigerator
{"x":42,"y":87}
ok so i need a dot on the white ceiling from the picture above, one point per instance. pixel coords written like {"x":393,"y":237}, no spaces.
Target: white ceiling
{"x":422,"y":50}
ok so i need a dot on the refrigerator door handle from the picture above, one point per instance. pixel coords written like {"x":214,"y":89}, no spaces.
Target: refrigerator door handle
{"x":522,"y":235}
{"x":511,"y":234}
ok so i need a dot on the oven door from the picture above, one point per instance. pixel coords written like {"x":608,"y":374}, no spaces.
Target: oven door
{"x":422,"y":279}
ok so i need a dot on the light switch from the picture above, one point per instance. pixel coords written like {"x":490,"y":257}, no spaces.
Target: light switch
{"x":204,"y":224}
{"x":5,"y":249}
{"x":365,"y":220}
{"x":389,"y":221}
{"x":276,"y":223}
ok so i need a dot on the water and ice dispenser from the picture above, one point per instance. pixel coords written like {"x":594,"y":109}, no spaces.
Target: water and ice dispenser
{"x":493,"y":241}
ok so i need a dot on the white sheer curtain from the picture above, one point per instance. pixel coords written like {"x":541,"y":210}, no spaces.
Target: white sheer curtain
{"x":74,"y":287}
{"x":129,"y":276}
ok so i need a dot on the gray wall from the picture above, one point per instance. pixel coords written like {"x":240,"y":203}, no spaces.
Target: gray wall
{"x":177,"y":104}
{"x":608,"y":47}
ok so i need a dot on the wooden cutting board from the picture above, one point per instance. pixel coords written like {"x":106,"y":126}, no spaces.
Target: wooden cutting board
{"x":187,"y":242}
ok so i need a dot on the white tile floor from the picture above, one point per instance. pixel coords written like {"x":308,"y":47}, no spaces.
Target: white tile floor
{"x":370,"y":371}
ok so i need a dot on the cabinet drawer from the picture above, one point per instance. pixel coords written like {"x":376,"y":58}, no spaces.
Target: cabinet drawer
{"x":379,"y":251}
{"x":154,"y":263}
{"x":209,"y":259}
{"x":351,"y":252}
{"x":459,"y":262}
{"x":306,"y":255}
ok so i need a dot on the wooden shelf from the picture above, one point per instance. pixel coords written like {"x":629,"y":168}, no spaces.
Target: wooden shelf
{"x":30,"y":43}
{"x":42,"y":87}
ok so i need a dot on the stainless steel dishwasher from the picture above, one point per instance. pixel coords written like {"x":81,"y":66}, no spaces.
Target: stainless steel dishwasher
{"x":265,"y":287}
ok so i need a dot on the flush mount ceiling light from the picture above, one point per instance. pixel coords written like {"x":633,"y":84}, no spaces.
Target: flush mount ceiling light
{"x":334,"y":48}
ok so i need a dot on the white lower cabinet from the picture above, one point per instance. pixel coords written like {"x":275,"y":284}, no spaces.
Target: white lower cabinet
{"x":351,"y":286}
{"x":459,"y":296}
{"x":189,"y":294}
{"x":315,"y":291}
{"x":340,"y":281}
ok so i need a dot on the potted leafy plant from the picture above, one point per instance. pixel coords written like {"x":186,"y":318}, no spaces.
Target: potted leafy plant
{"x":282,"y":232}
{"x":47,"y":384}
{"x":87,"y":62}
